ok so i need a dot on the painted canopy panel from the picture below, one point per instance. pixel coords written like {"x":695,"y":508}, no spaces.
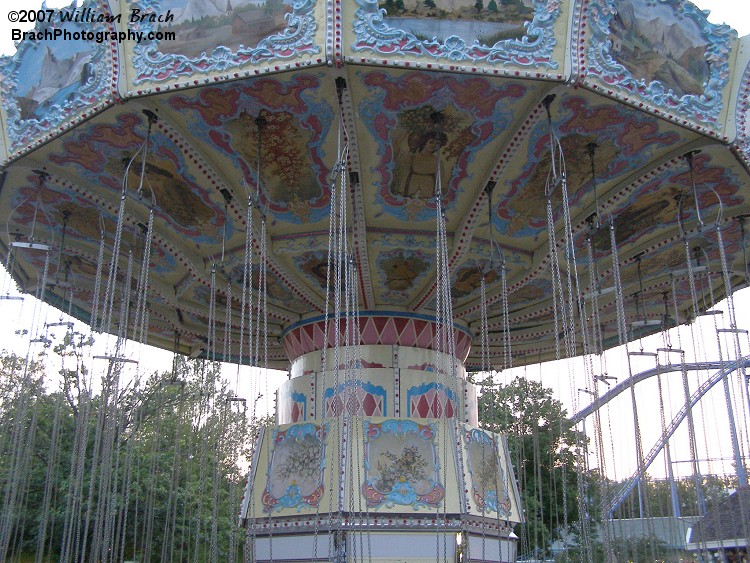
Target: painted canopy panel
{"x":662,"y":54}
{"x":54,"y":81}
{"x":219,"y":38}
{"x":234,"y":155}
{"x":520,"y":34}
{"x":410,"y":118}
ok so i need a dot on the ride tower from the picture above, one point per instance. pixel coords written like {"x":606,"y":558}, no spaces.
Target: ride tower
{"x":380,"y":198}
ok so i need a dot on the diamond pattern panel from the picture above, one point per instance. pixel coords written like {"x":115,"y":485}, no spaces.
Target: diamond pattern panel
{"x":356,"y":399}
{"x":401,"y":330}
{"x":432,"y":403}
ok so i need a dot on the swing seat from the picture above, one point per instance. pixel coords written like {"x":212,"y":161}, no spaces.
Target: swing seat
{"x":30,"y":245}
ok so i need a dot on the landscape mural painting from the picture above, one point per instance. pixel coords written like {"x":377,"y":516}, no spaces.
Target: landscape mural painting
{"x":229,"y":23}
{"x":55,"y":76}
{"x":50,"y":81}
{"x":485,"y":21}
{"x":653,"y":42}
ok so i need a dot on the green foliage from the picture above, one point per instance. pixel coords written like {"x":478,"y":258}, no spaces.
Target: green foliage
{"x":163,"y":456}
{"x":393,"y":7}
{"x":546,"y":457}
{"x":492,"y":7}
{"x":658,"y":494}
{"x":273,"y":7}
{"x":647,"y":549}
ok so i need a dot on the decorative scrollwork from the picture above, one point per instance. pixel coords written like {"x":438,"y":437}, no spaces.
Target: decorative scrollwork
{"x":404,"y":471}
{"x":743,"y":116}
{"x":37,"y":99}
{"x":296,"y":39}
{"x":295,"y":468}
{"x":534,"y":49}
{"x":703,"y":108}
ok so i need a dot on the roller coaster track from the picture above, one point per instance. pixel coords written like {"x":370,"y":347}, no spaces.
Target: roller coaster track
{"x":724,"y":369}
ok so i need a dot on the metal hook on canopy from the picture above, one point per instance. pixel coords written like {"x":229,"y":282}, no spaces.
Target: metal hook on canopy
{"x":554,"y":178}
{"x":260,"y":123}
{"x":494,"y":246}
{"x":438,"y":124}
{"x":226,"y":194}
{"x":680,"y":219}
{"x":640,"y":304}
{"x":741,"y":221}
{"x":151,"y":118}
{"x":720,"y":215}
{"x":689,"y":158}
{"x":173,"y":379}
{"x":102,"y":226}
{"x":65,"y":216}
{"x":342,"y":135}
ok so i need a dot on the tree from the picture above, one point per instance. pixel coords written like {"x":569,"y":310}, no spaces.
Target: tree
{"x":148,"y":470}
{"x":715,"y":490}
{"x":479,"y":5}
{"x":429,"y":4}
{"x":492,"y":7}
{"x":546,"y":455}
{"x":273,"y":7}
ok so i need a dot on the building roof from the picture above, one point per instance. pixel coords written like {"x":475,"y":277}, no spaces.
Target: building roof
{"x":728,"y":521}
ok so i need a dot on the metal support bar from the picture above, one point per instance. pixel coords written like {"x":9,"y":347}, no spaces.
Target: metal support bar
{"x":116,"y":359}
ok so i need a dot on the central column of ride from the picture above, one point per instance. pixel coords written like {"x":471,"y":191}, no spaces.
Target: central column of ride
{"x":376,"y":455}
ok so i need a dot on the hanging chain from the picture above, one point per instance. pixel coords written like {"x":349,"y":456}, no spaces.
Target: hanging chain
{"x":697,"y":479}
{"x":140,"y":329}
{"x":227,"y":351}
{"x":622,"y":330}
{"x":95,"y":318}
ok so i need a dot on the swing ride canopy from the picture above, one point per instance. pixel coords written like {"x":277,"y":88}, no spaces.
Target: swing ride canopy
{"x":650,"y":103}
